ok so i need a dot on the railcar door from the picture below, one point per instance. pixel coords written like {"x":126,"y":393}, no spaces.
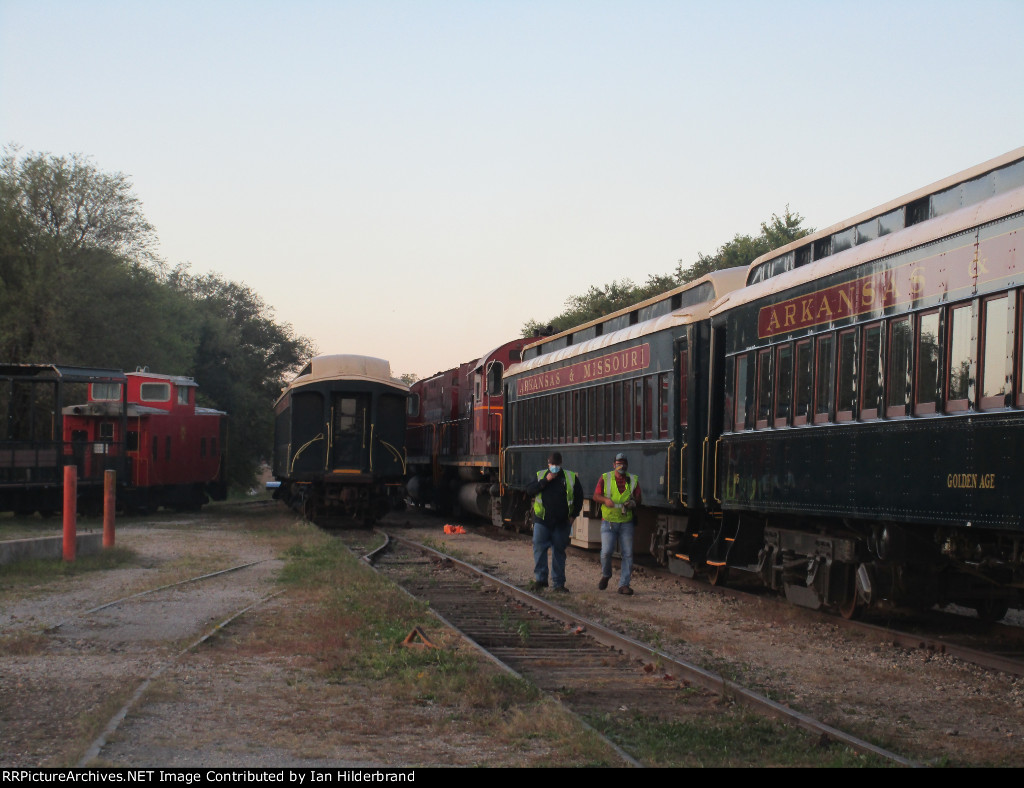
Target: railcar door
{"x":350,"y":438}
{"x":680,"y":449}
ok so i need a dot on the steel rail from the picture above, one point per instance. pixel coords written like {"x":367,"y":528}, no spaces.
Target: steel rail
{"x":693,"y":673}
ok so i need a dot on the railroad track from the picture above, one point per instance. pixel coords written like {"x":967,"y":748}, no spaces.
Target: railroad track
{"x":592,"y":670}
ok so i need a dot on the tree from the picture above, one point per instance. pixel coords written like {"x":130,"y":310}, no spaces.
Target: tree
{"x":242,"y":359}
{"x":80,"y":284}
{"x":740,"y":251}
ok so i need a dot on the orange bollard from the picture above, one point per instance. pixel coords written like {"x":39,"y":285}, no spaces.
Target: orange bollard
{"x":109,"y":503}
{"x":70,"y":511}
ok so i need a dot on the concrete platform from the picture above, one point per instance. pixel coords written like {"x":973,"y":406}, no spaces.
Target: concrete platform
{"x":48,"y":547}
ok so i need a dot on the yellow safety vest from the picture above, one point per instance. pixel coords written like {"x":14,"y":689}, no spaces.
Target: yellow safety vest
{"x":570,"y":485}
{"x":611,"y":490}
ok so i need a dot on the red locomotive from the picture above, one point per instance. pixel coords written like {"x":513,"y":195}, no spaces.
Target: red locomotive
{"x":168,"y":451}
{"x":455,"y":433}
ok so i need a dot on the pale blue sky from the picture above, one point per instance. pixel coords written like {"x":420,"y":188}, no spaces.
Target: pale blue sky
{"x":415,"y":180}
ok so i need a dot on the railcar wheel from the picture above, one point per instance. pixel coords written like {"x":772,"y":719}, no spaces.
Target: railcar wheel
{"x":718,"y":575}
{"x":991,"y":610}
{"x":851,"y":608}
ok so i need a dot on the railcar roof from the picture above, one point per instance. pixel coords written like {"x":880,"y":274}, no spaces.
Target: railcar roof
{"x":180,"y":380}
{"x":680,"y":317}
{"x":346,"y":366}
{"x":60,"y":371}
{"x":722,"y":281}
{"x":1001,"y":205}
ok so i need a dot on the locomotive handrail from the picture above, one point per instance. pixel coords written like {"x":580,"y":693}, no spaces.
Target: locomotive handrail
{"x":372,"y":425}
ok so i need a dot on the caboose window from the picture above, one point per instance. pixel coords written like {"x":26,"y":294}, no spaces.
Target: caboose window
{"x":106,"y":392}
{"x":958,"y":386}
{"x":928,"y":366}
{"x":993,"y":356}
{"x":155,"y":392}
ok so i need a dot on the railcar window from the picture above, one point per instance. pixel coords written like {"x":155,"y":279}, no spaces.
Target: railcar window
{"x":994,"y":356}
{"x":898,"y":379}
{"x":804,"y":392}
{"x":783,"y":384}
{"x":684,"y":386}
{"x":744,"y":391}
{"x":891,"y":222}
{"x":638,"y":408}
{"x":650,"y":411}
{"x":867,"y":231}
{"x":663,"y":405}
{"x":764,"y":387}
{"x":825,"y":382}
{"x":609,"y":409}
{"x":871,"y":372}
{"x":106,"y":433}
{"x":592,"y":414}
{"x":626,"y":388}
{"x":959,"y":356}
{"x":844,"y":240}
{"x":926,"y":400}
{"x":617,"y":411}
{"x":846,"y":386}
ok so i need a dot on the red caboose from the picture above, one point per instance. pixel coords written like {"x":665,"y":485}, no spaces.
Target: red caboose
{"x":455,"y":423}
{"x":172,"y":451}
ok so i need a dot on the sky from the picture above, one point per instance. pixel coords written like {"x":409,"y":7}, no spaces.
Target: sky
{"x":416,"y":179}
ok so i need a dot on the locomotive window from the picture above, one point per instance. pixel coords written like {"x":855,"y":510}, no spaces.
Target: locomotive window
{"x":846,"y":385}
{"x":825,"y":381}
{"x":898,"y":379}
{"x":183,"y":395}
{"x":106,"y":392}
{"x":804,"y":371}
{"x":871,"y":371}
{"x":783,"y":384}
{"x":958,"y":386}
{"x":764,"y":387}
{"x":155,"y":392}
{"x":494,"y":373}
{"x":106,"y":432}
{"x":928,"y":367}
{"x":993,"y":355}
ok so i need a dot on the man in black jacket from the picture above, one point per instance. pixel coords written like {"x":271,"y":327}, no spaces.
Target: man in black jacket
{"x":557,"y":501}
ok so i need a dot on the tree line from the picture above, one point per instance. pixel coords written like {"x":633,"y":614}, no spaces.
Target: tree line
{"x":81,"y":284}
{"x":620,"y":294}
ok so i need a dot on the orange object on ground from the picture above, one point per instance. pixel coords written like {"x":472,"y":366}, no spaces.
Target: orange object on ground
{"x":454,"y":529}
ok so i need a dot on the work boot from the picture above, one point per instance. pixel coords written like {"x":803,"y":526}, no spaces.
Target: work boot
{"x":603,"y":583}
{"x":626,"y":590}
{"x":537,"y":585}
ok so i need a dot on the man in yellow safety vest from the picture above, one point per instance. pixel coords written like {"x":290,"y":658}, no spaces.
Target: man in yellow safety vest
{"x":618,"y":492}
{"x":557,"y":501}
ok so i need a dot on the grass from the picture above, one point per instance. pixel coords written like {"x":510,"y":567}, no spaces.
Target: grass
{"x":726,"y":739}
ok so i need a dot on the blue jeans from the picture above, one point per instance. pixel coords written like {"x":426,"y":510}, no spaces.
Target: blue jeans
{"x":623,"y":534}
{"x":554,"y":537}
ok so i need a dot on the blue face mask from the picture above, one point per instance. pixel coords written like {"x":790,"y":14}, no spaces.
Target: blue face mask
{"x":554,"y":468}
